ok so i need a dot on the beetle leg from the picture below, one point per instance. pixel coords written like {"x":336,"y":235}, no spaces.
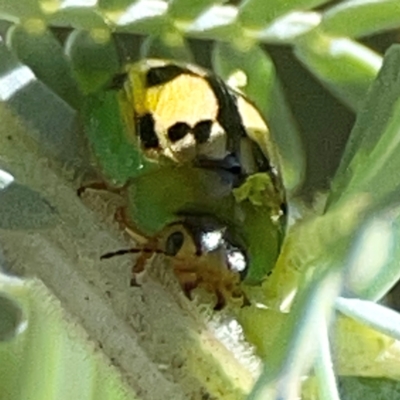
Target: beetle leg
{"x":97,"y":185}
{"x":221,"y":301}
{"x":139,"y":266}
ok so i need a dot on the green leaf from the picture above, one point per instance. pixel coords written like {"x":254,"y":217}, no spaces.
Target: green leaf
{"x":345,"y":67}
{"x":360,"y":388}
{"x":72,"y":367}
{"x":356,"y":18}
{"x":78,"y":17}
{"x":8,"y":63}
{"x":255,"y":13}
{"x":263,"y":240}
{"x":217,"y":22}
{"x":15,"y":11}
{"x":35,"y":103}
{"x":374,"y":265}
{"x":170,"y":46}
{"x":11,"y":318}
{"x":373,"y":315}
{"x":148,"y":17}
{"x":370,"y":162}
{"x":114,"y":5}
{"x":323,"y":368}
{"x":187,"y":10}
{"x":263,"y":87}
{"x":33,"y":212}
{"x":41,"y":52}
{"x":311,"y":243}
{"x":117,"y":158}
{"x":300,"y":337}
{"x":93,"y":58}
{"x":287,"y":28}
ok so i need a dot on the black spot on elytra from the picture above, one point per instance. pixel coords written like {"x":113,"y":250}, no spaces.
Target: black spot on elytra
{"x":178,"y":131}
{"x":160,"y":75}
{"x":202,"y":131}
{"x":147,"y":133}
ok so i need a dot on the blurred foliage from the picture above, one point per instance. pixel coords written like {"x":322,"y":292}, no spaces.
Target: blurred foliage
{"x":292,"y":54}
{"x":53,"y":342}
{"x":364,"y":388}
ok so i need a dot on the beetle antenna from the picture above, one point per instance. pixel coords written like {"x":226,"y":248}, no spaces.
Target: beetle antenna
{"x":122,"y":252}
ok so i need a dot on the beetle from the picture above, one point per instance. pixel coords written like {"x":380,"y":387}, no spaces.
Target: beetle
{"x":211,"y":154}
{"x":204,"y":253}
{"x":183,"y":114}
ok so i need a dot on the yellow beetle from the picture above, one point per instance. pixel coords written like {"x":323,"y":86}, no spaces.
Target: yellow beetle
{"x":184,"y":114}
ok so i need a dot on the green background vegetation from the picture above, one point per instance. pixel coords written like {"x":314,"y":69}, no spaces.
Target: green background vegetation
{"x":309,"y":65}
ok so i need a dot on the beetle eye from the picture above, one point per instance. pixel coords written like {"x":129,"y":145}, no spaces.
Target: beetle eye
{"x":174,"y":243}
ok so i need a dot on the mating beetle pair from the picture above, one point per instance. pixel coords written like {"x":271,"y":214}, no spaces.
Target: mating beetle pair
{"x":208,"y":191}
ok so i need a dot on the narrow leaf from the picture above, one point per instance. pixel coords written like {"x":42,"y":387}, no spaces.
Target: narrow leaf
{"x":374,"y":266}
{"x":356,"y":18}
{"x":93,"y":58}
{"x":364,"y":388}
{"x":187,"y":10}
{"x":41,"y":52}
{"x":345,"y":67}
{"x":374,"y":315}
{"x":298,"y":342}
{"x":370,"y":162}
{"x":170,"y":46}
{"x":256,"y":14}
